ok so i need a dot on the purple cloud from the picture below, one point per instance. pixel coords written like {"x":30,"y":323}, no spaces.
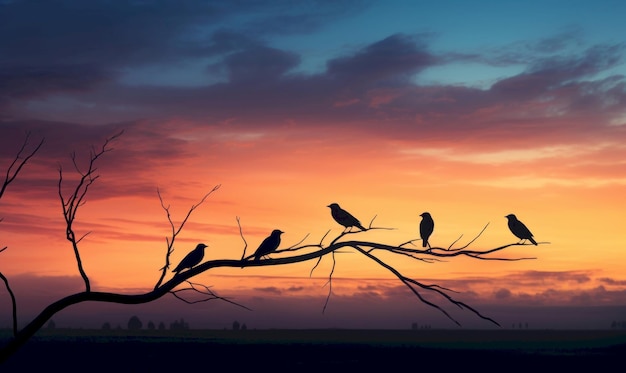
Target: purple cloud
{"x":393,"y":59}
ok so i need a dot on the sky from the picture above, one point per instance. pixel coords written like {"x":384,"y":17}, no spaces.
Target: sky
{"x":468,"y":110}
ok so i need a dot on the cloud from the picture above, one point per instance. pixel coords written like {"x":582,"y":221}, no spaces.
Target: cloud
{"x":360,"y":88}
{"x":23,"y":82}
{"x":269,"y":289}
{"x":611,"y":281}
{"x":550,"y":74}
{"x":502,"y":294}
{"x":393,"y":59}
{"x":258,"y":64}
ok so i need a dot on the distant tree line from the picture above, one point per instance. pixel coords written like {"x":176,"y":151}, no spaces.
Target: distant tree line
{"x":618,"y":325}
{"x":415,"y":326}
{"x":135,"y":323}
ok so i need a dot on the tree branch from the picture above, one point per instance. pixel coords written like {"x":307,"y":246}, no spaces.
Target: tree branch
{"x":76,"y":199}
{"x":13,"y":302}
{"x":18,"y":163}
{"x":14,"y":169}
{"x":175,"y":231}
{"x":210,"y":295}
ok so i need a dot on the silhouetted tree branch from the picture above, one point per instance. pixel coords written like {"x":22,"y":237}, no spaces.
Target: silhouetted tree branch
{"x":21,"y":158}
{"x":204,"y":290}
{"x":175,"y":231}
{"x":77,"y":198}
{"x":13,"y":301}
{"x":297,"y":253}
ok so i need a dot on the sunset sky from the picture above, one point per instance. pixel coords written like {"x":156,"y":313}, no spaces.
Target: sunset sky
{"x":468,"y":110}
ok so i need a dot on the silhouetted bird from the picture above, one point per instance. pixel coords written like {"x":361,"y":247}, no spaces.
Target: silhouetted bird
{"x":268,"y":245}
{"x":427,"y":225}
{"x":519,"y":229}
{"x":193,"y":258}
{"x":344,"y":218}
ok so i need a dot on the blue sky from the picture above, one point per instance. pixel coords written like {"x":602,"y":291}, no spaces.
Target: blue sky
{"x":447,"y":27}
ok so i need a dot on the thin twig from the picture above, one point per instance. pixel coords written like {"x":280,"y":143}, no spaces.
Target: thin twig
{"x":176,"y":231}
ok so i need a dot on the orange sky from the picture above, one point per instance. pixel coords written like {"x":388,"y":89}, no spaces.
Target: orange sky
{"x":269,"y":182}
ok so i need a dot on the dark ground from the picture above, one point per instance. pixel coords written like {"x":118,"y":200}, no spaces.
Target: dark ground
{"x":318,"y":350}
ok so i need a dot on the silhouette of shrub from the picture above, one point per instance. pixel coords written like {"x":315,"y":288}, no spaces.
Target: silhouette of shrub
{"x":134,"y":323}
{"x":179,"y":325}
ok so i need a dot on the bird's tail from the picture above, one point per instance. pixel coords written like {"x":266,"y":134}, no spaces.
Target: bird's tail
{"x":533,"y":241}
{"x":424,"y":243}
{"x":361,"y":227}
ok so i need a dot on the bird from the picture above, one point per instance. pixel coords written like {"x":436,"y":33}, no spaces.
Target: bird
{"x":427,"y":225}
{"x":344,"y":218}
{"x":268,"y":245}
{"x":193,"y":258}
{"x":519,"y":229}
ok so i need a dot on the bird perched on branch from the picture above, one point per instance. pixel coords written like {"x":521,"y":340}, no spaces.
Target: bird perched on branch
{"x":344,"y":218}
{"x":269,"y":245}
{"x":193,"y":258}
{"x":519,"y":229}
{"x":427,"y":225}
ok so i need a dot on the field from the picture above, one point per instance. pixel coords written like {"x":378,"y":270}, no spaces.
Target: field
{"x":316,"y":350}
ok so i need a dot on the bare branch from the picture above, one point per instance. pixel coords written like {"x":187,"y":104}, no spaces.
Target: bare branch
{"x":210,"y":295}
{"x":19,"y":162}
{"x":176,"y":231}
{"x":408,"y":281}
{"x":14,"y":169}
{"x":245,"y":243}
{"x":76,"y":199}
{"x":330,"y":283}
{"x":471,"y":241}
{"x":13,"y":301}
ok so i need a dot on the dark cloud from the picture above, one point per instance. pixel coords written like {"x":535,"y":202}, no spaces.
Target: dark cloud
{"x":56,"y":47}
{"x":395,"y":58}
{"x":502,"y":294}
{"x":551,"y":73}
{"x":24,"y":82}
{"x":139,"y":141}
{"x":109,"y":33}
{"x":612,"y":281}
{"x":269,"y":289}
{"x":259,"y":64}
{"x":56,"y":73}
